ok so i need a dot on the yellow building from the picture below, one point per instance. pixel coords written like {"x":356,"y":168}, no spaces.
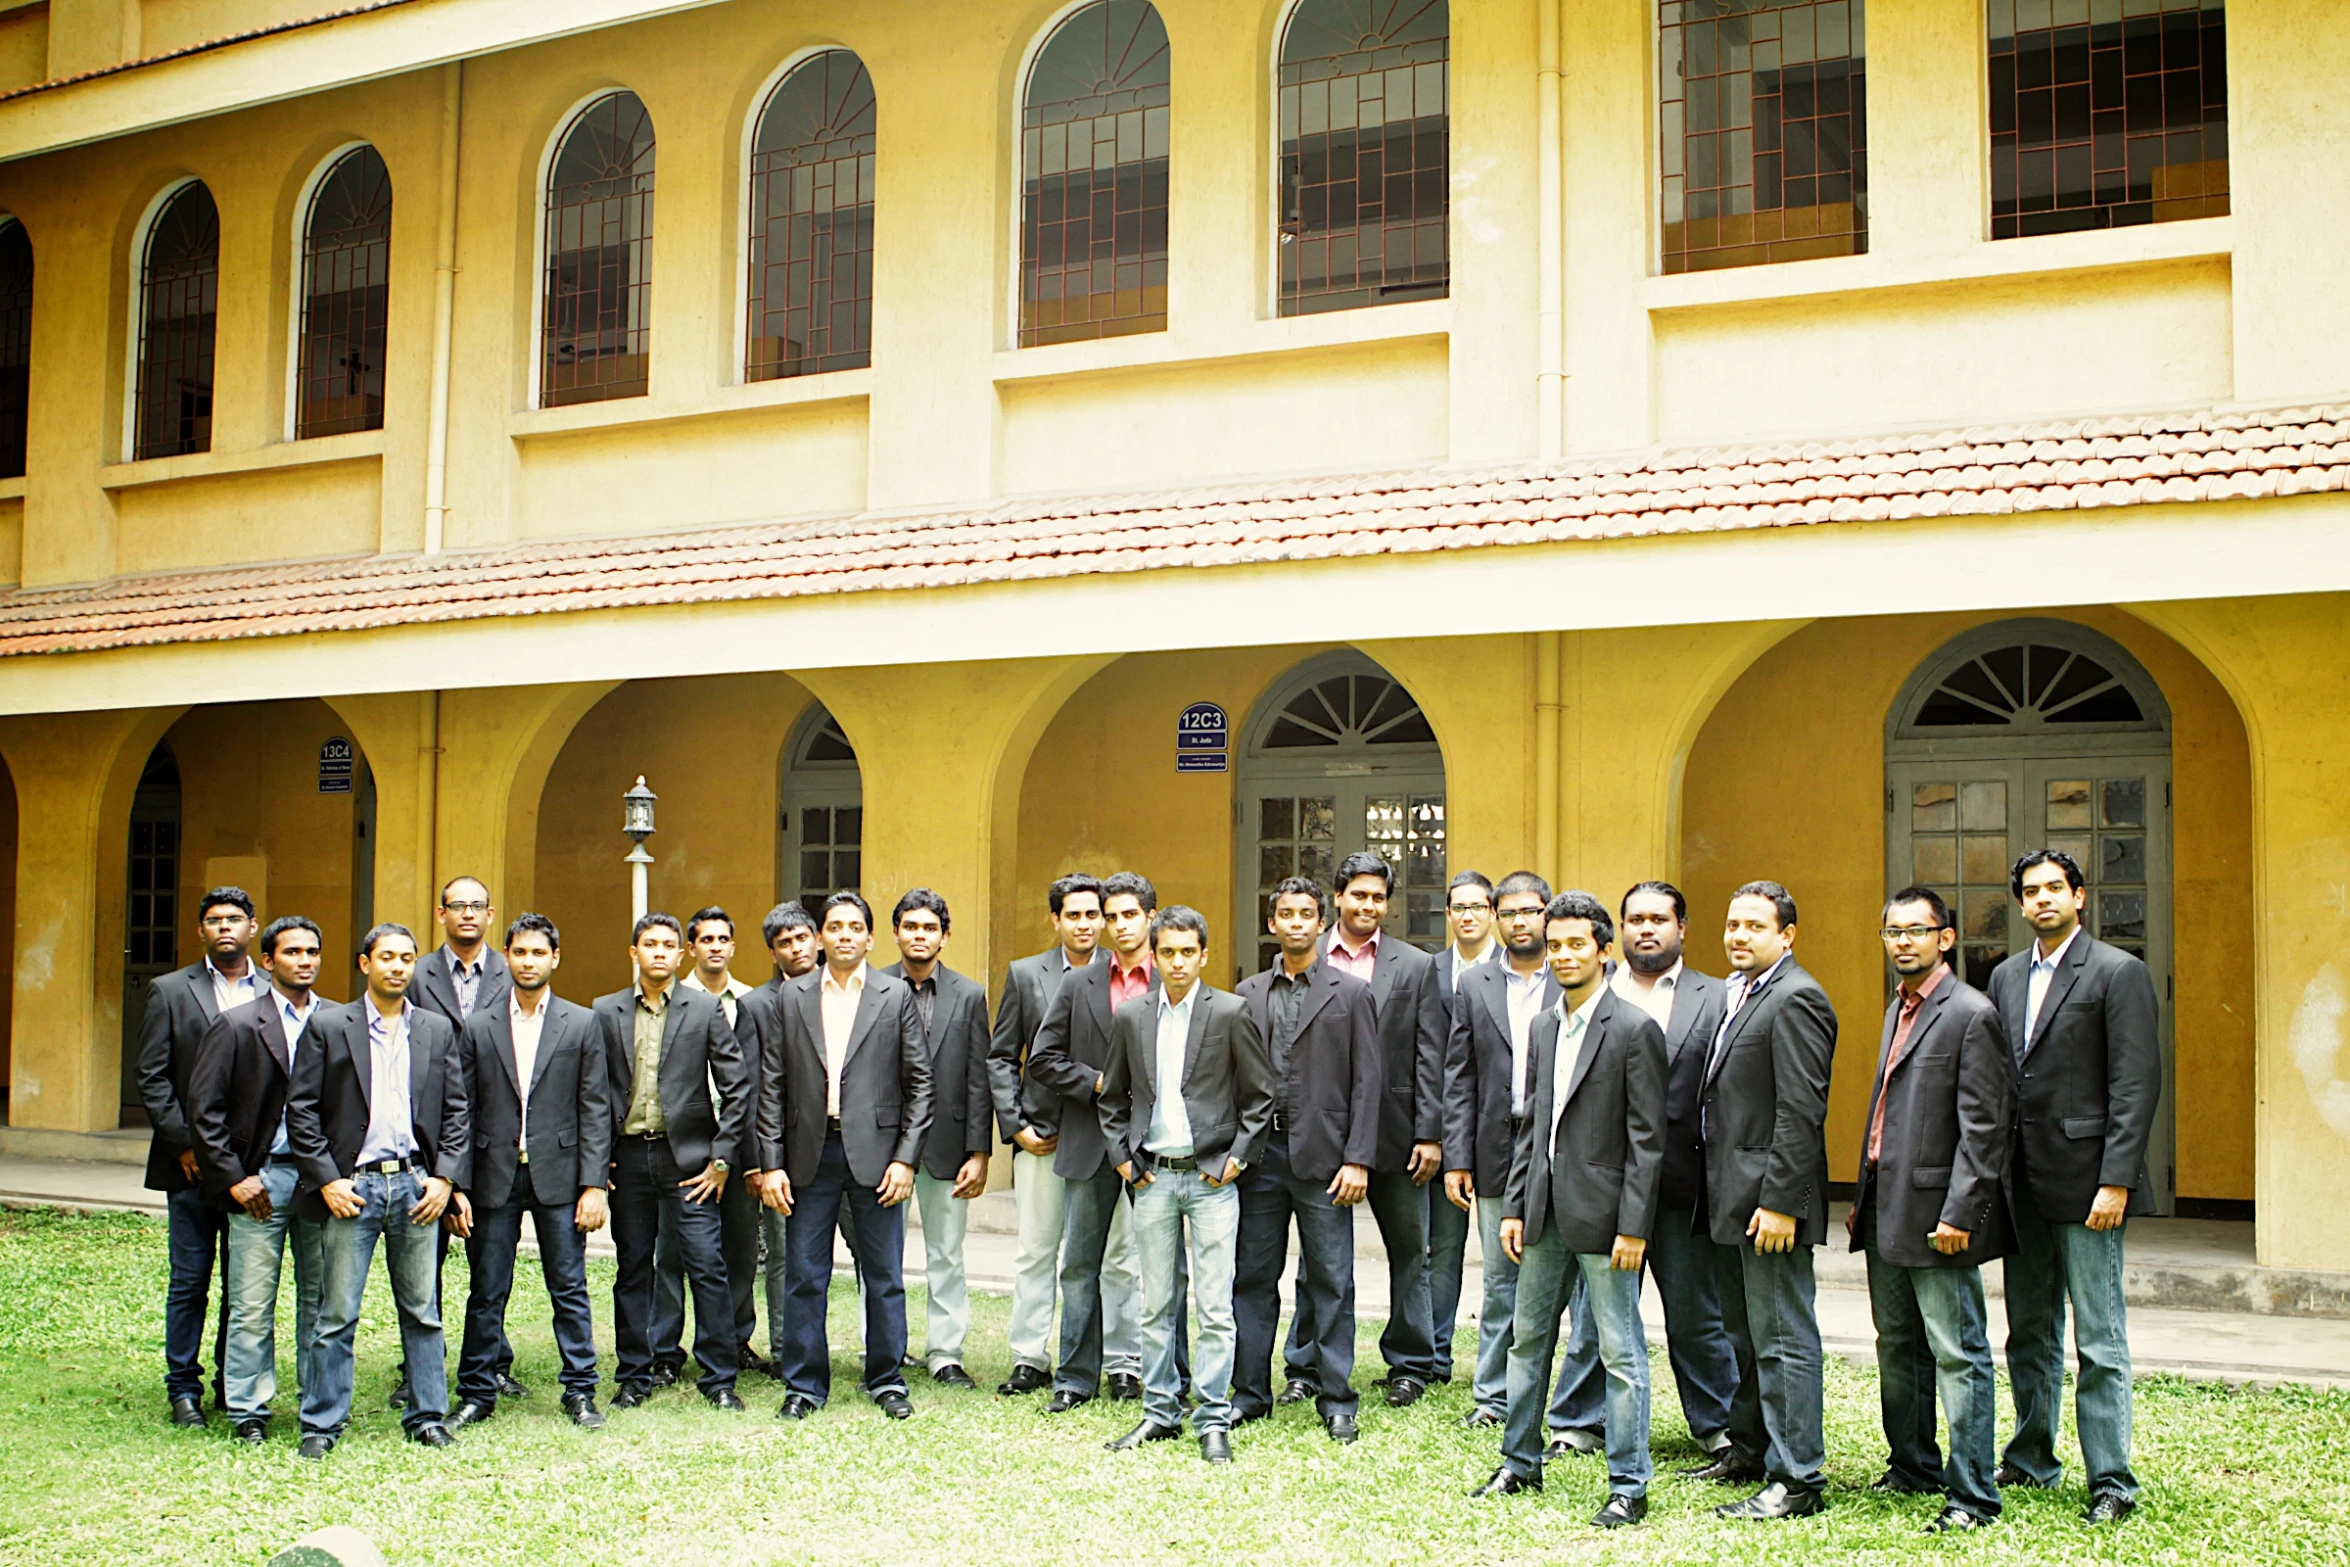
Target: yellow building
{"x":956,"y":444}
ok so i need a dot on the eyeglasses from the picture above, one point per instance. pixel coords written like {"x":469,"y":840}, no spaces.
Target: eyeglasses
{"x":466,"y":908}
{"x":1910,"y":932}
{"x":1468,"y":908}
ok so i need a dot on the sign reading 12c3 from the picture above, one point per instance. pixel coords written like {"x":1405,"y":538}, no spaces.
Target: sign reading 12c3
{"x":1203,"y":739}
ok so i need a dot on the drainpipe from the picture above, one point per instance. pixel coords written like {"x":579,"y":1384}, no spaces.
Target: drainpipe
{"x":1546,"y":754}
{"x":1551,"y":372}
{"x":428,"y":797}
{"x":444,"y":312}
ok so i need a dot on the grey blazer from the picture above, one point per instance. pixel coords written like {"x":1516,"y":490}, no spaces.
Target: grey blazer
{"x":1071,"y":1050}
{"x":960,"y":1109}
{"x":332,"y":1094}
{"x":571,"y":1123}
{"x":1030,"y":985}
{"x":1227,"y":1083}
{"x":1413,"y":1025}
{"x":1947,"y":1125}
{"x":1598,"y":1178}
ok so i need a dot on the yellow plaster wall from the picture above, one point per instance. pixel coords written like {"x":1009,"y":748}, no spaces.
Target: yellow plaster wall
{"x":24,"y":47}
{"x":11,"y":539}
{"x":735,"y":467}
{"x":280,"y":514}
{"x":8,"y":843}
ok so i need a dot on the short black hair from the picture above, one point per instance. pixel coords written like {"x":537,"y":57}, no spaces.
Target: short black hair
{"x":922,"y":898}
{"x":1476,"y":879}
{"x":1178,"y":917}
{"x":454,"y":880}
{"x":1782,"y":901}
{"x":693,"y":926}
{"x":376,"y":933}
{"x":2056,"y":857}
{"x":1580,"y":905}
{"x":535,"y":924}
{"x":1925,"y":895}
{"x":845,"y":899}
{"x":1364,"y":863}
{"x":787,"y":915}
{"x":1520,"y":882}
{"x":1663,"y":889}
{"x":233,"y":897}
{"x":1128,"y":884}
{"x":651,"y":920}
{"x":1300,"y":886}
{"x":283,"y":923}
{"x":1058,"y":893}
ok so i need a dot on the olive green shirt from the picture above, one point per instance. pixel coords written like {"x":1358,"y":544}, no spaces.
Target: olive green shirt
{"x":644,"y":1100}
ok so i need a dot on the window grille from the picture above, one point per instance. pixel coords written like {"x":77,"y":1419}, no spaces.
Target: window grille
{"x":346,"y":272}
{"x":811,"y":239}
{"x":16,"y":344}
{"x":179,"y":305}
{"x":597,"y":332}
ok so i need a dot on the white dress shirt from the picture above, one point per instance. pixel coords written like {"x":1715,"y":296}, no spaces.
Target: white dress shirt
{"x":391,"y":1130}
{"x":1525,"y":1000}
{"x":236,"y":992}
{"x":1656,"y":1000}
{"x":838,"y":1002}
{"x":293,"y":1020}
{"x":1170,"y":1129}
{"x":526,"y":1028}
{"x":1574,"y":1031}
{"x":2043,"y":975}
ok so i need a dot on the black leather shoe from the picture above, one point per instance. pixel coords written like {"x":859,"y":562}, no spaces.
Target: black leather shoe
{"x":188,"y":1411}
{"x":1776,"y":1500}
{"x":1242,"y":1414}
{"x":1297,"y":1391}
{"x":1506,"y":1481}
{"x":1957,"y":1520}
{"x":509,"y":1388}
{"x":470,"y":1412}
{"x":400,"y":1391}
{"x":952,"y":1375}
{"x":2009,"y":1475}
{"x":1403,"y":1392}
{"x":1893,"y":1485}
{"x":252,"y":1433}
{"x":315,"y":1446}
{"x":1730,"y":1469}
{"x":1341,"y":1428}
{"x":630,"y":1396}
{"x":1216,"y":1446}
{"x":664,"y":1376}
{"x":796,"y":1406}
{"x":1480,"y":1417}
{"x":726,"y":1398}
{"x":1573,"y":1444}
{"x":1619,"y":1511}
{"x":2108,"y":1507}
{"x":1124,"y":1386}
{"x":1024,"y":1379}
{"x":1148,"y":1431}
{"x":432,"y":1434}
{"x":755,"y":1364}
{"x":896,"y":1405}
{"x":1063,"y":1401}
{"x":581,"y":1409}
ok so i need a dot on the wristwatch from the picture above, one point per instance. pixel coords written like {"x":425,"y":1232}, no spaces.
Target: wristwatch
{"x":721,"y":1166}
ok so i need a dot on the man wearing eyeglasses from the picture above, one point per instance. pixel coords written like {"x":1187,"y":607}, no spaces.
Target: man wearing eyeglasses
{"x":1468,"y":916}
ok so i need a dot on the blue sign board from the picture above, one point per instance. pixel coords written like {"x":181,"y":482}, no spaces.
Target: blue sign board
{"x":1203,"y":739}
{"x":334,"y":766}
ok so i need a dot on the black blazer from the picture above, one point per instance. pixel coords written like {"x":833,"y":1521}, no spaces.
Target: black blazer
{"x":1030,"y":985}
{"x":1227,"y":1082}
{"x":1333,"y":1090}
{"x":1413,"y":1025}
{"x":571,"y":1121}
{"x":2089,"y":1081}
{"x":180,"y":1007}
{"x":1765,"y":1107}
{"x":1477,"y":1132}
{"x":435,"y":990}
{"x":1610,"y":1145}
{"x":1689,"y":1033}
{"x":1947,"y":1124}
{"x":237,"y":1093}
{"x":758,"y":1029}
{"x":333,"y":1092}
{"x":885,"y":1090}
{"x":1071,"y":1049}
{"x":698,"y":1051}
{"x":960,"y":1110}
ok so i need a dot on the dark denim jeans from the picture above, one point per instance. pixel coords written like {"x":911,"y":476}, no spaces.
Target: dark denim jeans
{"x":738,"y":1243}
{"x":1271,"y":1195}
{"x":1769,"y":1309}
{"x":1705,"y":1368}
{"x":489,"y":1258}
{"x":1448,"y":1250}
{"x":1611,"y":1299}
{"x":1932,"y":1337}
{"x":645,"y":1180}
{"x":1400,"y":1208}
{"x":803,"y":1352}
{"x":412,"y":1262}
{"x":198,"y":1239}
{"x":2050,"y":1265}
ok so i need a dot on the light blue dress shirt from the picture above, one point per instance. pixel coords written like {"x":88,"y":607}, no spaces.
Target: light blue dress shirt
{"x":391,"y":1131}
{"x":1170,"y":1130}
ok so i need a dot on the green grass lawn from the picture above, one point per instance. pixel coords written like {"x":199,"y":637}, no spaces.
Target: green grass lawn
{"x":94,"y":1474}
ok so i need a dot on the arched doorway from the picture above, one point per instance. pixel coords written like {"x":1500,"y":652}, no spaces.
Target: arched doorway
{"x":820,"y":839}
{"x":1339,"y":758}
{"x":2028,"y":733}
{"x":151,"y":918}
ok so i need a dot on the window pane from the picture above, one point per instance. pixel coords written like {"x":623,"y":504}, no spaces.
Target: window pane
{"x":596,"y":332}
{"x":179,"y":304}
{"x":2068,"y":804}
{"x":2125,"y":802}
{"x":1933,"y":807}
{"x":16,"y":346}
{"x":346,"y":280}
{"x":811,"y":239}
{"x":2124,"y":860}
{"x":1933,"y":859}
{"x":1983,"y":806}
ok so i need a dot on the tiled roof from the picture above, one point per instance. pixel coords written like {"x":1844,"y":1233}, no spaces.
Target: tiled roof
{"x":204,"y":46}
{"x":2025,"y":468}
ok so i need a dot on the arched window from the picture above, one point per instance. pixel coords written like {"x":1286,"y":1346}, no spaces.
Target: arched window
{"x":1093,"y":177}
{"x":346,"y":271}
{"x":821,"y":842}
{"x":811,"y":240}
{"x":1365,"y":153}
{"x":16,"y":344}
{"x":179,"y":305}
{"x":596,"y":329}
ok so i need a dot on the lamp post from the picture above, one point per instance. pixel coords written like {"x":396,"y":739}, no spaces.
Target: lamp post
{"x":636,"y":820}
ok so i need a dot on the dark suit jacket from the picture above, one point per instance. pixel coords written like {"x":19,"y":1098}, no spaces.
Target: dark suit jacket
{"x":1477,"y":1133}
{"x":1599,"y":1177}
{"x":1334,"y":1087}
{"x":1030,"y":985}
{"x":1689,"y":1033}
{"x":1413,"y":1025}
{"x":571,"y":1121}
{"x":1072,"y":1048}
{"x":698,"y":1050}
{"x":333,"y":1093}
{"x":2089,"y":1082}
{"x":960,"y":1110}
{"x":1765,"y":1104}
{"x":434,"y":989}
{"x":1227,"y":1082}
{"x":180,"y":1008}
{"x":1947,"y":1124}
{"x":885,"y":1091}
{"x":237,"y":1093}
{"x":758,"y":1028}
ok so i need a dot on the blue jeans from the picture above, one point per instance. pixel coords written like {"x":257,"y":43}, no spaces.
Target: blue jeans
{"x":256,"y":1262}
{"x":1613,"y":1304}
{"x":198,"y":1236}
{"x":412,"y":1261}
{"x":1086,"y":1306}
{"x":1271,"y":1195}
{"x":1400,"y":1208}
{"x":1174,"y":1201}
{"x":1769,"y":1308}
{"x":1491,"y":1390}
{"x":1705,"y":1368}
{"x":1931,"y":1336}
{"x":489,"y":1258}
{"x":1448,"y":1250}
{"x":2053,"y":1263}
{"x":803,"y":1355}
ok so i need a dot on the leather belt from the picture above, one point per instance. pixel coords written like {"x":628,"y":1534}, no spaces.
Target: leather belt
{"x":832,"y":1126}
{"x":1175,"y":1161}
{"x":283,"y":1158}
{"x":1283,"y":1121}
{"x":386,"y":1167}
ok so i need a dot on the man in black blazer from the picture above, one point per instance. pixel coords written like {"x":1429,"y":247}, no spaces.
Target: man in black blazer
{"x":1487,"y":1092}
{"x":1582,"y":1201}
{"x":1471,"y":942}
{"x":667,"y":1050}
{"x":1764,"y":1113}
{"x":1027,"y":1117}
{"x":1929,"y":1212}
{"x":1321,"y":1033}
{"x":1186,"y":1103}
{"x":789,"y":932}
{"x":180,"y":1006}
{"x":844,"y":1106}
{"x":245,"y":1161}
{"x":2086,"y":1033}
{"x":542,"y":1144}
{"x":951,"y":1168}
{"x":378,"y":1120}
{"x":708,"y":967}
